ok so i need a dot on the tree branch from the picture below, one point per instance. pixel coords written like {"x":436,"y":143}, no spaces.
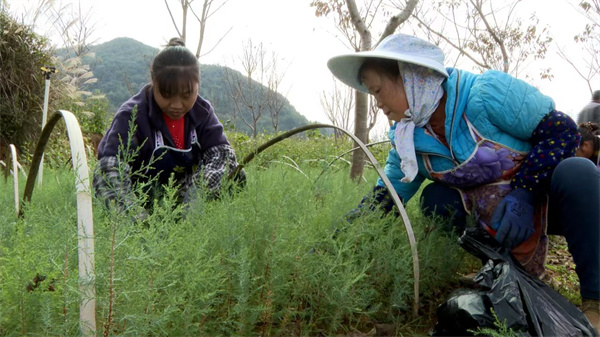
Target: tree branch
{"x":359,"y":25}
{"x":172,"y":18}
{"x":493,"y":35}
{"x":398,"y":19}
{"x":457,"y":47}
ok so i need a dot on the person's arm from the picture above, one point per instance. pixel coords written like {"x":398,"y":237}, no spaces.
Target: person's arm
{"x":515,"y":109}
{"x":218,"y":157}
{"x":379,"y":197}
{"x":392,"y":170}
{"x":112,"y":182}
{"x":553,"y":140}
{"x":218,"y":161}
{"x":112,"y":175}
{"x":512,"y":110}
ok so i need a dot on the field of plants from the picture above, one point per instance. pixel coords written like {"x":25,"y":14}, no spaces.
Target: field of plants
{"x":259,"y":262}
{"x":262,"y":261}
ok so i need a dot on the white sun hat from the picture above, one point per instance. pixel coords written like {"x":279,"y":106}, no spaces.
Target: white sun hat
{"x":400,"y":47}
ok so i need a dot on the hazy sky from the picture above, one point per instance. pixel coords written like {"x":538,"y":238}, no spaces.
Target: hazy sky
{"x":305,"y":42}
{"x":288,"y":27}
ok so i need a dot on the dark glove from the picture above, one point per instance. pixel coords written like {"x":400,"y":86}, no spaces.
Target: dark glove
{"x":513,"y":219}
{"x":378,"y":198}
{"x":238,"y":178}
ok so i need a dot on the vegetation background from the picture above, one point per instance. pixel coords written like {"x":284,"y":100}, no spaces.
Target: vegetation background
{"x":122,"y":67}
{"x":263,"y":261}
{"x":260,"y":262}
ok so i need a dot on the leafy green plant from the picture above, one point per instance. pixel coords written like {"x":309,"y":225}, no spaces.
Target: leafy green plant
{"x":22,"y":54}
{"x":259,"y":262}
{"x":241,"y":265}
{"x":92,"y":112}
{"x":560,"y":270}
{"x":314,"y":150}
{"x":501,"y":330}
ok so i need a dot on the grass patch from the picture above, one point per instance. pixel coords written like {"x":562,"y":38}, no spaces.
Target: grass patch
{"x":262,"y":262}
{"x":259,"y":263}
{"x":560,"y":270}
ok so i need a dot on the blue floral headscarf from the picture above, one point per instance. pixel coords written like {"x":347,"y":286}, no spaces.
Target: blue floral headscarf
{"x":423,"y":88}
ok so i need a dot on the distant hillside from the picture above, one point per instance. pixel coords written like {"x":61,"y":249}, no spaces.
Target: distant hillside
{"x":122,"y":67}
{"x":118,"y":63}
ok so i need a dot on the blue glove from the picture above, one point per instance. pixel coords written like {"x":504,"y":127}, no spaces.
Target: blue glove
{"x":513,"y":218}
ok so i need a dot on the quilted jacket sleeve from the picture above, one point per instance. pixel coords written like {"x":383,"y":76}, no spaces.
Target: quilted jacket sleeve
{"x":394,"y":173}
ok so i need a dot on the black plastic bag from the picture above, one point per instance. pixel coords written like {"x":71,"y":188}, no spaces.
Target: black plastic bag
{"x":522,"y":302}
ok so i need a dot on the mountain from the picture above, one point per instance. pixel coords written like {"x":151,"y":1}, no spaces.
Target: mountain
{"x":122,"y":67}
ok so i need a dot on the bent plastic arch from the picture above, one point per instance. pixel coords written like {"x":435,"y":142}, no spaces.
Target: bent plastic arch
{"x":85,"y":224}
{"x":15,"y":173}
{"x":384,"y":178}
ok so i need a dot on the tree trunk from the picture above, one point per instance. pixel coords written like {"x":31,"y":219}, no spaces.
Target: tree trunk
{"x":361,"y":109}
{"x":362,"y":132}
{"x":362,"y":101}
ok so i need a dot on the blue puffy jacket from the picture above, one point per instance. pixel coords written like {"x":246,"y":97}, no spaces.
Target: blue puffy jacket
{"x":500,"y":107}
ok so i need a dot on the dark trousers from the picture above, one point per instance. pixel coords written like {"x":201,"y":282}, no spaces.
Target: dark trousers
{"x":574,"y":212}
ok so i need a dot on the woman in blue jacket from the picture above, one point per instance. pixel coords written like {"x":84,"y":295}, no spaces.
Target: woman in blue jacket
{"x":176,"y":134}
{"x":493,"y":145}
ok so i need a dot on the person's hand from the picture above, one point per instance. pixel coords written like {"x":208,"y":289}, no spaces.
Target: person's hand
{"x":379,"y":197}
{"x":140,"y":218}
{"x":513,"y":218}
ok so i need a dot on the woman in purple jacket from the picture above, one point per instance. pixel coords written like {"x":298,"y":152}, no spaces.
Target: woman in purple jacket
{"x":175,"y":133}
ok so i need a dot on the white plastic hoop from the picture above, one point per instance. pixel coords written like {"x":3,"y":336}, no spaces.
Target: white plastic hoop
{"x":85,"y":222}
{"x":15,"y":174}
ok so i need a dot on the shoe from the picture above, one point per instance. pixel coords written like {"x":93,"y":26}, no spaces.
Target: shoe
{"x":591,"y":310}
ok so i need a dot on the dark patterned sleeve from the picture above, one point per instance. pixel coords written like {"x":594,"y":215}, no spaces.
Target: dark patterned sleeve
{"x":218,"y":161}
{"x":554,"y":139}
{"x":112,"y":184}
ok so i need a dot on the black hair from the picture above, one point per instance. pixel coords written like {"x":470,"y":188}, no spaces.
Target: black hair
{"x":173,"y":66}
{"x":596,"y":95}
{"x":591,"y":132}
{"x":389,"y":66}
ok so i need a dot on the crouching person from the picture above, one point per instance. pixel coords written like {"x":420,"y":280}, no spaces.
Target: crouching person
{"x":175,"y":132}
{"x":491,"y":145}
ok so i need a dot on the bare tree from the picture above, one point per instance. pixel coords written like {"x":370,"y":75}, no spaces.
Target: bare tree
{"x":76,"y":28}
{"x":256,"y":92}
{"x":589,"y":41}
{"x":275,"y":104}
{"x":275,"y":99}
{"x":207,"y":11}
{"x":488,"y":33}
{"x":355,"y":25}
{"x":246,"y":91}
{"x":126,"y":79}
{"x":338,"y":105}
{"x":372,"y":116}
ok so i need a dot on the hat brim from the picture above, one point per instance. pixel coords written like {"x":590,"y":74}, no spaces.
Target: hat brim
{"x":345,"y":67}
